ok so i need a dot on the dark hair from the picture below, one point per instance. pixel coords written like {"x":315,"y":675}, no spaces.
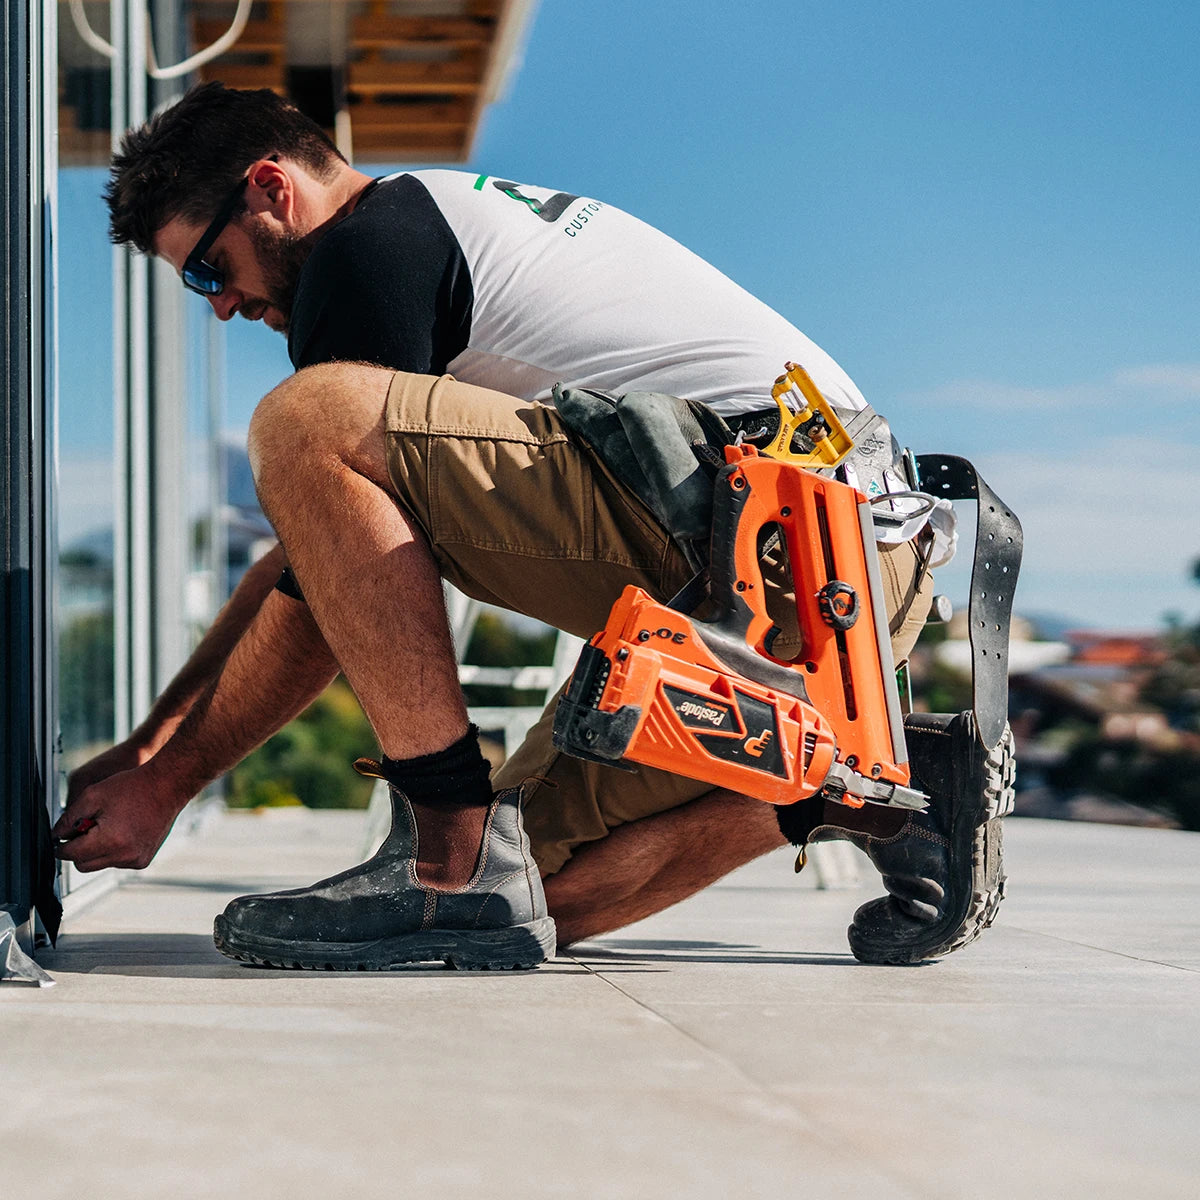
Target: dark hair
{"x":186,"y":159}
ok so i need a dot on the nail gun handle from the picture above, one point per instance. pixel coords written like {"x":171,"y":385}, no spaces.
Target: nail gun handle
{"x":844,"y":667}
{"x":735,"y":572}
{"x":819,"y":524}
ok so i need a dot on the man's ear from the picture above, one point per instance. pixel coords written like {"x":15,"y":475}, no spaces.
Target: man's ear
{"x":270,"y":190}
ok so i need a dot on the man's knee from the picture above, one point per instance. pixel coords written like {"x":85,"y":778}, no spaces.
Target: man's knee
{"x":332,"y":410}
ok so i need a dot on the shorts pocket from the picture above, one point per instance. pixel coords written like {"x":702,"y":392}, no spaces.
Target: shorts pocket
{"x":530,"y":498}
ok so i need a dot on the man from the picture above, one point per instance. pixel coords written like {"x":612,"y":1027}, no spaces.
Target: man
{"x":381,"y":473}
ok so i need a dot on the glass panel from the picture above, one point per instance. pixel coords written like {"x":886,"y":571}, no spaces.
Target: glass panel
{"x":203,"y":567}
{"x":84,"y":615}
{"x":256,"y":361}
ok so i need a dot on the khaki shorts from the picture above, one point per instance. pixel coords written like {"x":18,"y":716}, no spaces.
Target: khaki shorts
{"x":520,"y":514}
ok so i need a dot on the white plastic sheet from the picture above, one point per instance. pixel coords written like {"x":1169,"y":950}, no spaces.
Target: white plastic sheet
{"x":15,"y":965}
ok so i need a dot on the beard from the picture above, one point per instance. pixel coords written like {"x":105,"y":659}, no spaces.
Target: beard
{"x":281,"y":257}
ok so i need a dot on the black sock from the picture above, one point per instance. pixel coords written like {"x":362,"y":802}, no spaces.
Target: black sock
{"x":458,"y":775}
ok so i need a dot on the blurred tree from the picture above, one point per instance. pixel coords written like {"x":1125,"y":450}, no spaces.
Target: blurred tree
{"x":497,"y":642}
{"x":941,"y":688}
{"x":85,"y":680}
{"x":309,"y":761}
{"x":1164,"y":781}
{"x":1174,"y":687}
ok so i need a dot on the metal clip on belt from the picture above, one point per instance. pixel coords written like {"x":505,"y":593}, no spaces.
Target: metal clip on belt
{"x":998,"y":544}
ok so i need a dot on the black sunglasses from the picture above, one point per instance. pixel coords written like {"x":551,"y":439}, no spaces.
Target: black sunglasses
{"x":202,"y":277}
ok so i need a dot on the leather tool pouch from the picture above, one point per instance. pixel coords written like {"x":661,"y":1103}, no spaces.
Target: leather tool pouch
{"x":663,"y":449}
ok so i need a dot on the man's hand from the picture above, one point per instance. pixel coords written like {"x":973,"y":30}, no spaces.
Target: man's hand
{"x":120,"y":821}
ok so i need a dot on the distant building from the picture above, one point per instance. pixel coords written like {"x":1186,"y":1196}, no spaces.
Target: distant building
{"x":244,"y":528}
{"x":1117,"y":649}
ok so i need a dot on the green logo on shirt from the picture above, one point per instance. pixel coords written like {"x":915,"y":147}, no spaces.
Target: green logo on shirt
{"x":549,"y":210}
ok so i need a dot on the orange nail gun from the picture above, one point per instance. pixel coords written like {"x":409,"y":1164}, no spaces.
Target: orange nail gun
{"x":706,"y":698}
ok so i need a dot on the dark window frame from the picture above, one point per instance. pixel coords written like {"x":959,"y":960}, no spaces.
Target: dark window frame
{"x":16,"y":606}
{"x":27,"y":869}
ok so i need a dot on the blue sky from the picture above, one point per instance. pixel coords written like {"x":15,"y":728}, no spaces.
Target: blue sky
{"x":986,"y":213}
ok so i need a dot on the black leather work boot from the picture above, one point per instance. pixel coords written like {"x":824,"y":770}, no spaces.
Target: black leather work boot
{"x":379,"y":915}
{"x":943,"y":868}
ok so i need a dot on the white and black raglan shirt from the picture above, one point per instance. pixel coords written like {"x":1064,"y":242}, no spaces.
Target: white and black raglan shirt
{"x":516,"y":288}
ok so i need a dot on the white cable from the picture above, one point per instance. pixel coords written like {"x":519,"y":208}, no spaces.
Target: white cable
{"x":89,"y":35}
{"x":223,"y":43}
{"x":240,"y":18}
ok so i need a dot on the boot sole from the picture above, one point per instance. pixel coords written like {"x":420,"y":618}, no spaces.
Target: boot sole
{"x":519,"y":948}
{"x":976,"y":823}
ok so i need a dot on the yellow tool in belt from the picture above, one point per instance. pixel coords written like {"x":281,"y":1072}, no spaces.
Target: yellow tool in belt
{"x":805,"y":412}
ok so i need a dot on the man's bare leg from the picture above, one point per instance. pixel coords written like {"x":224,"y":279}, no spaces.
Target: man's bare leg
{"x":648,"y":865}
{"x":453,"y":881}
{"x":317,"y":448}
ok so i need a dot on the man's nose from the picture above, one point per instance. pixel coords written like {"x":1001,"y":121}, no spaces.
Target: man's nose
{"x":226,"y":302}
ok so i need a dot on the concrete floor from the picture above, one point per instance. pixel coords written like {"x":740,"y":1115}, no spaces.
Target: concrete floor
{"x":728,"y":1048}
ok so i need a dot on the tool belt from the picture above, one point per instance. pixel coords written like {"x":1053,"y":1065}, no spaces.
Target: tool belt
{"x":667,"y":452}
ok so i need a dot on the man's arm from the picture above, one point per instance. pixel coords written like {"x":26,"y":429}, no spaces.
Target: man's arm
{"x":276,"y":669}
{"x":389,"y":285}
{"x":194,"y":678}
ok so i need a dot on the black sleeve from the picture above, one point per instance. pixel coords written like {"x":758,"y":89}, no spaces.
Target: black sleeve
{"x":387,"y":285}
{"x":289,"y":585}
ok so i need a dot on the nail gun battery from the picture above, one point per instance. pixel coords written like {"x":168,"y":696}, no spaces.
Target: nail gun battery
{"x":654,"y":694}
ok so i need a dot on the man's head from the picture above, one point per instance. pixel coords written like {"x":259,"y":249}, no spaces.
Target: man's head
{"x":241,"y":177}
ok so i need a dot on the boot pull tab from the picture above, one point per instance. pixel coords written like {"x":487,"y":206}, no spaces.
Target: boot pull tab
{"x":369,"y":768}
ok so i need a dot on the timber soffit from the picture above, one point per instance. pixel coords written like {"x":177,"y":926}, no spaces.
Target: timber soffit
{"x":390,"y":80}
